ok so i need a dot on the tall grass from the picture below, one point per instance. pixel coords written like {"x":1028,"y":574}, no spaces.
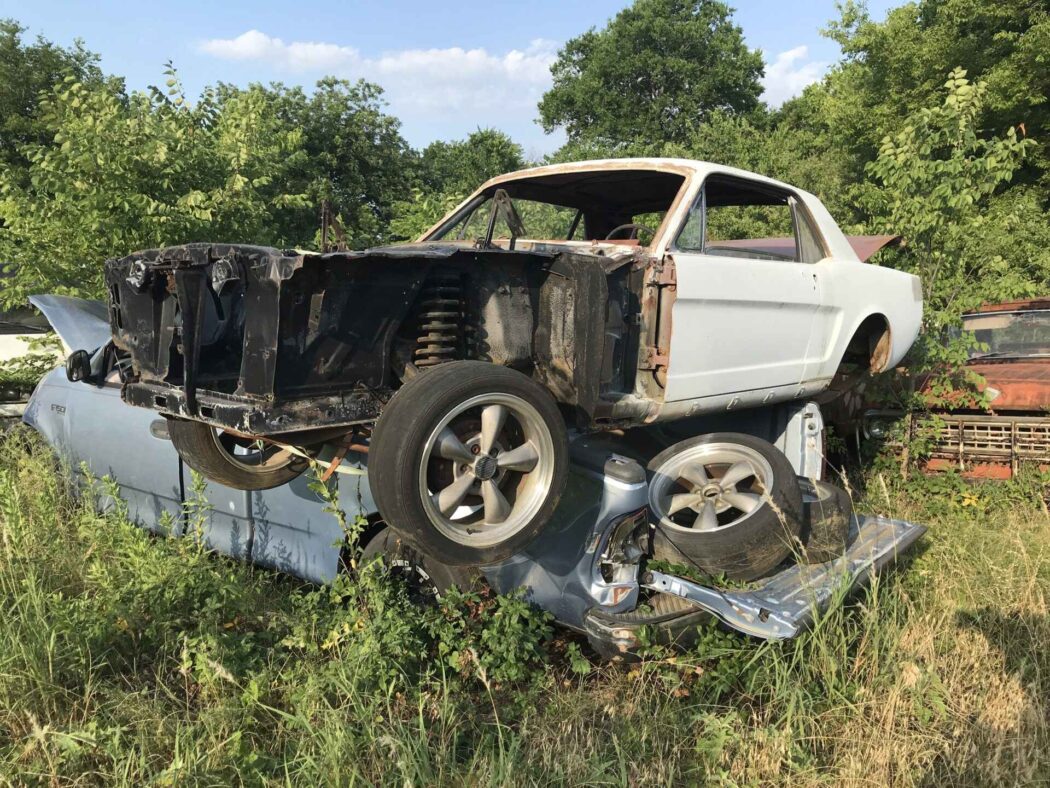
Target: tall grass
{"x":127,"y":659}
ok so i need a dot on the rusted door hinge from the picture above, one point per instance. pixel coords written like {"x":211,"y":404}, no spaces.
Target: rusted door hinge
{"x":653,"y":358}
{"x":667,"y":276}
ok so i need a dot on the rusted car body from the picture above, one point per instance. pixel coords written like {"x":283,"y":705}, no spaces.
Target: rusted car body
{"x":1014,"y":429}
{"x":622,"y":332}
{"x":592,"y":296}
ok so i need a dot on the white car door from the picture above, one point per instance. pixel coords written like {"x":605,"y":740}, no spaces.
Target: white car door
{"x":745,"y":308}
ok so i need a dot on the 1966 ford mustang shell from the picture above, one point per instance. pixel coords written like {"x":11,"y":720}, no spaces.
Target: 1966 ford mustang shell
{"x":595,"y":295}
{"x":635,"y":332}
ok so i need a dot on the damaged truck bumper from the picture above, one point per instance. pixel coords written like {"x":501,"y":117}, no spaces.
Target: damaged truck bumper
{"x":589,"y":569}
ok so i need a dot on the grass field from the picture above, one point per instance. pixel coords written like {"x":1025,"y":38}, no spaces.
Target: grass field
{"x":129,"y":659}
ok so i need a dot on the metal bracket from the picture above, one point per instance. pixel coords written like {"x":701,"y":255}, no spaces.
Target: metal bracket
{"x":738,"y":611}
{"x":667,"y":275}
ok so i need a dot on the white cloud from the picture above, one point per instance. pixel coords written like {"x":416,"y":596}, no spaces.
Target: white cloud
{"x":298,"y":55}
{"x":789,"y":74}
{"x":444,"y":81}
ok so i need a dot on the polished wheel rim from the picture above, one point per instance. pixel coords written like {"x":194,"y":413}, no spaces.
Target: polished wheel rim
{"x":710,"y":487}
{"x":486,"y":469}
{"x":252,"y":454}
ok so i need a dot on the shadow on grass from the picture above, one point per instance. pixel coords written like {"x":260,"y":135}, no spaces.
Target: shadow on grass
{"x":1021,"y":727}
{"x":1022,"y":638}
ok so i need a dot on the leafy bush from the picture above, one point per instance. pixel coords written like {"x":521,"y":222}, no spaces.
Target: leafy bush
{"x":138,"y":172}
{"x":19,"y":375}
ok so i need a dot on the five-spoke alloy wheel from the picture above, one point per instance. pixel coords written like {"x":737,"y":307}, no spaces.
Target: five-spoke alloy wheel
{"x":468,"y":461}
{"x":710,"y":486}
{"x":725,"y":502}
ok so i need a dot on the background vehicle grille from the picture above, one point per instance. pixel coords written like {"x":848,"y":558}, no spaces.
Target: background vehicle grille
{"x":987,"y":437}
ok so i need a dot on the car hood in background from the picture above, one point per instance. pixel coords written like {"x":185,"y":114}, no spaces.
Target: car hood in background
{"x":1023,"y":384}
{"x":80,"y":324}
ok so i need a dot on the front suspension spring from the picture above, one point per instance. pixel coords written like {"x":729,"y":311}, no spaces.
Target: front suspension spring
{"x":440,"y":311}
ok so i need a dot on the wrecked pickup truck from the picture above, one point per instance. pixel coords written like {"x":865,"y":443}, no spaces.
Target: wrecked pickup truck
{"x":983,"y":441}
{"x":594,"y":296}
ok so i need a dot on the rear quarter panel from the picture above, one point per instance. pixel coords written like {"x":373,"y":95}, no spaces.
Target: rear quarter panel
{"x":853,"y":291}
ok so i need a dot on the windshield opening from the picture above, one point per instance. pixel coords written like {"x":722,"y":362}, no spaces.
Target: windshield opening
{"x":540,"y":220}
{"x":622,"y":206}
{"x":1010,"y":334}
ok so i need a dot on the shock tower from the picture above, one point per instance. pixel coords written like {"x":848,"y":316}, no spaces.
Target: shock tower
{"x":440,"y":336}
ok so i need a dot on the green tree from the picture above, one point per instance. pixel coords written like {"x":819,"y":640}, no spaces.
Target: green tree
{"x":939,"y":179}
{"x":119,"y":175}
{"x":766,"y":144}
{"x":968,"y":241}
{"x":447,"y":172}
{"x":355,"y":157}
{"x":421,"y":211}
{"x":461,"y":166}
{"x":895,"y":67}
{"x":656,"y":70}
{"x":27,"y":71}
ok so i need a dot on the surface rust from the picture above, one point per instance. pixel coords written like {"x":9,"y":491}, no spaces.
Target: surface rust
{"x":266,"y":342}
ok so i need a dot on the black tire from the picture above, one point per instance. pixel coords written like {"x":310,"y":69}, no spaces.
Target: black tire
{"x":746,"y":547}
{"x":404,"y":452}
{"x":825,"y":525}
{"x":427,"y":578}
{"x":211,"y":454}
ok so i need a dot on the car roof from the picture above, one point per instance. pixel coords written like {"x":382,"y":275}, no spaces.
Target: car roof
{"x":684,"y":167}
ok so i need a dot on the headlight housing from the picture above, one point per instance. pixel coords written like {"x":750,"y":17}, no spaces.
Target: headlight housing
{"x":880,"y":425}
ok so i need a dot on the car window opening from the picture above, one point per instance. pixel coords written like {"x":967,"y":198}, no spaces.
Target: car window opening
{"x":622,"y":206}
{"x":734,"y":217}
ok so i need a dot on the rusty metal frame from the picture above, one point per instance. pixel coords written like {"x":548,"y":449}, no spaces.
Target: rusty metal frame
{"x":959,"y":442}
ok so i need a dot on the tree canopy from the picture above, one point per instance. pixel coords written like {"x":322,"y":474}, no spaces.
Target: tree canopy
{"x":448,"y":172}
{"x":26,"y":70}
{"x":124,"y":173}
{"x":894,"y":67}
{"x":652,"y":73}
{"x":460,"y":166}
{"x":354,"y":157}
{"x":959,"y":168}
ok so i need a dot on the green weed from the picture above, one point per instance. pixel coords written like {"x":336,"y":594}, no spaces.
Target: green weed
{"x":127,"y":658}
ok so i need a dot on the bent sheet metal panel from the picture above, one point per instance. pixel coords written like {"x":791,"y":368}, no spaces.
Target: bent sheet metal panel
{"x":80,"y":324}
{"x":92,"y":425}
{"x":787,"y":602}
{"x":293,"y":531}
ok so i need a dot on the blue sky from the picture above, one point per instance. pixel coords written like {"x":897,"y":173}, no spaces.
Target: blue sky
{"x":447,"y":67}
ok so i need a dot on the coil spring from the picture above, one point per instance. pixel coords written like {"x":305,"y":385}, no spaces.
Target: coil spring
{"x":440,"y":310}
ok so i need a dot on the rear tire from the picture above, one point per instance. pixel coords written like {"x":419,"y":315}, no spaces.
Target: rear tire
{"x":232,"y":461}
{"x":825,"y":526}
{"x":468,"y":461}
{"x":427,"y":579}
{"x":738,"y":513}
